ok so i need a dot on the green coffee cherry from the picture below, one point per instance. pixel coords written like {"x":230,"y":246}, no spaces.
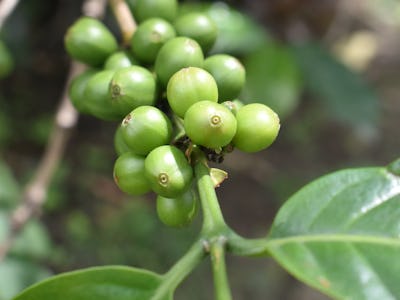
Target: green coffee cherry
{"x":177,"y":53}
{"x":149,"y":38}
{"x":229,"y":74}
{"x":199,"y":27}
{"x":119,"y":144}
{"x":233,"y":106}
{"x":129,"y":174}
{"x":257,"y":127}
{"x":77,"y":88}
{"x":97,"y":100}
{"x":179,"y":211}
{"x":89,"y":41}
{"x":210,"y":124}
{"x":146,"y":9}
{"x":188,"y":86}
{"x":119,"y":60}
{"x":168,"y":171}
{"x":6,"y":60}
{"x":239,"y":104}
{"x":132,"y":87}
{"x":146,"y":128}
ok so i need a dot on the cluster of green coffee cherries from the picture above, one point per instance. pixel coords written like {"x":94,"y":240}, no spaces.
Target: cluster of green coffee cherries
{"x":171,"y":101}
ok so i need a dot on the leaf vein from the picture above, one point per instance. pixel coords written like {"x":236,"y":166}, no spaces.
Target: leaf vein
{"x":334,"y":196}
{"x":367,"y":264}
{"x":337,"y":238}
{"x":370,"y":209}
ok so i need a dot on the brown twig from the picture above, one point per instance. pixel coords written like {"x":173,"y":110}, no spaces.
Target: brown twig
{"x":94,"y":8}
{"x":34,"y":194}
{"x":124,"y":18}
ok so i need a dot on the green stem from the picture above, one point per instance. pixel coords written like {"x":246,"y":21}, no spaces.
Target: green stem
{"x":221,"y":284}
{"x":246,"y":247}
{"x":213,"y":220}
{"x":180,"y":270}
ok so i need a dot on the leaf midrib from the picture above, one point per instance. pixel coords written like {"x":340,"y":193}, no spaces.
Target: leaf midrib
{"x":335,"y":238}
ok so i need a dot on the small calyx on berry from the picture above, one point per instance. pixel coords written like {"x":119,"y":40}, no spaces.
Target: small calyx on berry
{"x":210,"y":124}
{"x":168,"y":171}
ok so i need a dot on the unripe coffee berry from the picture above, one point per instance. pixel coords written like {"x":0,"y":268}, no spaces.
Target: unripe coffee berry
{"x":233,"y":106}
{"x":210,"y":124}
{"x":146,"y":128}
{"x":168,"y":171}
{"x":257,"y":127}
{"x":119,"y":144}
{"x":119,"y":60}
{"x":146,"y":9}
{"x":179,"y":211}
{"x":132,"y":87}
{"x":199,"y":27}
{"x":177,"y":53}
{"x":229,"y":74}
{"x":89,"y":41}
{"x":188,"y":86}
{"x":97,"y":99}
{"x":77,"y":88}
{"x":149,"y":38}
{"x":129,"y":174}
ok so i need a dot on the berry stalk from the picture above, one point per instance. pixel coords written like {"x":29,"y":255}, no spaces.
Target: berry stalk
{"x":213,"y":220}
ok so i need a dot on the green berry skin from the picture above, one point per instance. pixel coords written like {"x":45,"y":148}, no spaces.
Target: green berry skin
{"x":149,"y":38}
{"x":229,"y":74}
{"x":77,"y":89}
{"x":168,"y":171}
{"x":188,"y":86}
{"x":6,"y":60}
{"x":129,"y":174}
{"x":239,"y":104}
{"x":199,"y":27}
{"x":89,"y":41}
{"x":97,"y":99}
{"x":210,"y":124}
{"x":119,"y":144}
{"x":132,"y":87}
{"x":176,"y":54}
{"x":146,"y":128}
{"x":257,"y":127}
{"x":146,"y":9}
{"x":120,"y":60}
{"x":233,"y":106}
{"x":178,"y":212}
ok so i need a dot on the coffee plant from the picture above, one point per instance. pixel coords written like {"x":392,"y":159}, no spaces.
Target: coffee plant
{"x":179,"y":112}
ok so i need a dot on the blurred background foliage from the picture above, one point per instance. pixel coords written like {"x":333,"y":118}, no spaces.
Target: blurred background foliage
{"x":331,"y":70}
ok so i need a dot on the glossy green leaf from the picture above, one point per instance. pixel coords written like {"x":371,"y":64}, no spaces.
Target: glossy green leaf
{"x":273,"y":78}
{"x":17,"y":274}
{"x":98,"y":283}
{"x":346,"y":95}
{"x":341,"y":233}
